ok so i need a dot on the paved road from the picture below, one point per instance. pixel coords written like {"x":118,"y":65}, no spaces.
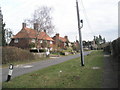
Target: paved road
{"x":26,"y":68}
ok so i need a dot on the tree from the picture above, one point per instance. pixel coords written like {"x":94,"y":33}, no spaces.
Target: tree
{"x":8,"y":35}
{"x":97,"y":41}
{"x":3,"y":35}
{"x":104,"y":41}
{"x":42,"y":17}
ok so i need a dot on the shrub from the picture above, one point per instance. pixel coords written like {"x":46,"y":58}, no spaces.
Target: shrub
{"x":115,"y":48}
{"x":11,"y":54}
{"x":31,"y":45}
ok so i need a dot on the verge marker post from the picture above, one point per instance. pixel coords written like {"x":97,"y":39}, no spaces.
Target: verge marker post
{"x":10,"y":72}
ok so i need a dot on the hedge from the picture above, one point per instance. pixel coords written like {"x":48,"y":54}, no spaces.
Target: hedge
{"x":114,"y":48}
{"x":11,"y":54}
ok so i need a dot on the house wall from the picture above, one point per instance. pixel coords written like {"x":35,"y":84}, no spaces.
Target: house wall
{"x":58,"y":43}
{"x":22,"y":43}
{"x":45,"y":44}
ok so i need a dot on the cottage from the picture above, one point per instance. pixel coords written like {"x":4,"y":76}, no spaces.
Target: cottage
{"x":30,"y":38}
{"x":61,"y":42}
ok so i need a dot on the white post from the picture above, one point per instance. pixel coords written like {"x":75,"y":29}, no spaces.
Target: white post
{"x":10,"y":72}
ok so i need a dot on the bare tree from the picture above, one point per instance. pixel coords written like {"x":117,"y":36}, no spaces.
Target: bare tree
{"x":42,"y":16}
{"x":8,"y":35}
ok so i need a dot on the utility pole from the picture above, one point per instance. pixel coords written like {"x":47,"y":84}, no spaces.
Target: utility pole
{"x":80,"y":37}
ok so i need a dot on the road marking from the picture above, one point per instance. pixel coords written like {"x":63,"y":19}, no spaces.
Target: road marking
{"x":24,"y":66}
{"x":28,"y":66}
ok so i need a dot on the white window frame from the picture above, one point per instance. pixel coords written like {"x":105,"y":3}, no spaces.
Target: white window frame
{"x":16,"y":41}
{"x":51,"y":42}
{"x":33,"y":40}
{"x":41,"y":41}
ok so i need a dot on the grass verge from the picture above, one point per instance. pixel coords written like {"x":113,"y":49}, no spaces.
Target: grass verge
{"x":68,"y":74}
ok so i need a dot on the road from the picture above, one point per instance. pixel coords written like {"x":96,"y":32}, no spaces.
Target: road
{"x":26,"y":68}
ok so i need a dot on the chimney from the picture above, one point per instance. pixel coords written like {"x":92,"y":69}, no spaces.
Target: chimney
{"x":36,"y":26}
{"x":66,"y":37}
{"x":45,"y":31}
{"x":23,"y":25}
{"x":57,"y":35}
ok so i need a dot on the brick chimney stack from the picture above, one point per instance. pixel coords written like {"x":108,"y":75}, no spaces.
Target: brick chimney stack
{"x":45,"y":31}
{"x":57,"y":35}
{"x":23,"y":25}
{"x":36,"y":26}
{"x":66,"y":37}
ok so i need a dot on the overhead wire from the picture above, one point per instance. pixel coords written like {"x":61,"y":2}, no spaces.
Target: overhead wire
{"x":87,"y":19}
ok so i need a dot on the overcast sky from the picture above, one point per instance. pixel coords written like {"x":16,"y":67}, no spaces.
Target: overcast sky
{"x":99,"y":16}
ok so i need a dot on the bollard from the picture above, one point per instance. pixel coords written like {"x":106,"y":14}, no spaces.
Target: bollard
{"x":10,"y":72}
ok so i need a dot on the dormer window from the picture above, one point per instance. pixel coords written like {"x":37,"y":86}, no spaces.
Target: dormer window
{"x":16,"y":41}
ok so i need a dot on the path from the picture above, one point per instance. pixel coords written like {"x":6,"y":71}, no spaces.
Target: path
{"x":110,"y":75}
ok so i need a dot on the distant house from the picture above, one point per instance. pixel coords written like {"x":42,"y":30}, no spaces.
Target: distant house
{"x":31,"y":38}
{"x":60,"y":42}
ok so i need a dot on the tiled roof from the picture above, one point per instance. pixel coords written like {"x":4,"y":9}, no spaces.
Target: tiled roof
{"x":44,"y":36}
{"x":26,"y":33}
{"x":31,"y":33}
{"x":62,"y":39}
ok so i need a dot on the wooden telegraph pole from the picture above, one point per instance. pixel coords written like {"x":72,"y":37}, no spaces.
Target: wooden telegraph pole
{"x":80,"y":37}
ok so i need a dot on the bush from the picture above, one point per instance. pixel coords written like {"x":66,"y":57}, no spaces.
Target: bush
{"x":115,"y":48}
{"x":31,"y":45}
{"x":11,"y":54}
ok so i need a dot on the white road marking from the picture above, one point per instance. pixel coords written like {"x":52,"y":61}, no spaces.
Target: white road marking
{"x":24,"y":66}
{"x":28,"y":66}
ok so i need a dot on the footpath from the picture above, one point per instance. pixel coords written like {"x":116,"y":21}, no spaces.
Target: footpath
{"x":110,"y":74}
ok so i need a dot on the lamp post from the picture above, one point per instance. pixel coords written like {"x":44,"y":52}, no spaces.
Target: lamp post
{"x":80,"y":37}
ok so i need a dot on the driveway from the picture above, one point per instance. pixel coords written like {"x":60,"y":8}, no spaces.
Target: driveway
{"x":26,"y":68}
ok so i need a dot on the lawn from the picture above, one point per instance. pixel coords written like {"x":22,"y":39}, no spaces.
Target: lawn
{"x":69,"y":74}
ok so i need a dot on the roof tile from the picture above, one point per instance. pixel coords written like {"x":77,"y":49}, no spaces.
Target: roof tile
{"x":31,"y":33}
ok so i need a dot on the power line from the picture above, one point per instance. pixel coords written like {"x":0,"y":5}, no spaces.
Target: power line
{"x":87,"y":20}
{"x":86,"y":15}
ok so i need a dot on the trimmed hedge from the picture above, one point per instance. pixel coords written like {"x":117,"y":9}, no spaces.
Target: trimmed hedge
{"x":11,"y":54}
{"x":114,"y":48}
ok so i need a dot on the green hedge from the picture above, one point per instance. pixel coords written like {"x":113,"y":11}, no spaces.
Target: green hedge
{"x":11,"y":54}
{"x":114,"y":48}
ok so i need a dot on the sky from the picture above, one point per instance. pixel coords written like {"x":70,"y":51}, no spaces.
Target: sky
{"x":100,"y":17}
